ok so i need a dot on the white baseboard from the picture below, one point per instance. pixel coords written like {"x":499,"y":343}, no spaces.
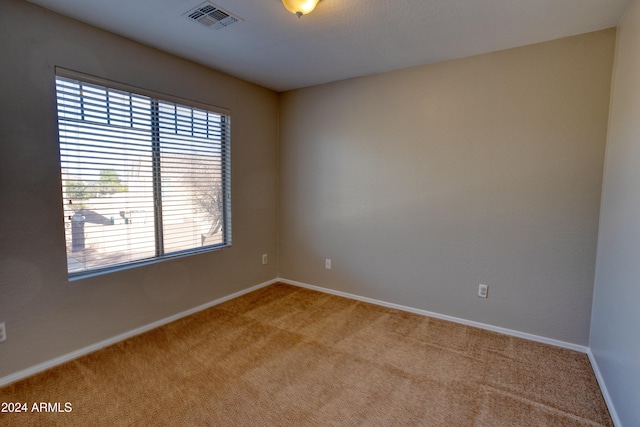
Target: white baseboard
{"x":505,"y":331}
{"x":110,"y":341}
{"x":603,"y":387}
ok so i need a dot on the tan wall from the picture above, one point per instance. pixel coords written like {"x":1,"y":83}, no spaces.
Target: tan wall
{"x":47,"y":316}
{"x":422,"y":183}
{"x":615,"y":327}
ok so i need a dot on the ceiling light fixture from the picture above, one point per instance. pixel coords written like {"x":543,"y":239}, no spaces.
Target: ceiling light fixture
{"x":300,"y":7}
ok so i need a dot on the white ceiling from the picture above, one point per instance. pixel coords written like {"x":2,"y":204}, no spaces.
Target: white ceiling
{"x":341,"y":38}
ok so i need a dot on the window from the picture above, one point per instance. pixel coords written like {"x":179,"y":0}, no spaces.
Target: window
{"x":143,"y":177}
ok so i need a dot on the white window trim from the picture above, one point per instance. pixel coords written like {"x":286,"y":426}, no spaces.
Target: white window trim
{"x":75,"y":75}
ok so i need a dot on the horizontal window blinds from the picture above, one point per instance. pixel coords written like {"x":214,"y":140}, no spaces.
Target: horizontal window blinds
{"x":142,"y":178}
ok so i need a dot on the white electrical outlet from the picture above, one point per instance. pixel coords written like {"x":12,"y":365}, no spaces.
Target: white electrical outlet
{"x":265,"y":259}
{"x":483,"y":290}
{"x":327,"y":264}
{"x":3,"y":332}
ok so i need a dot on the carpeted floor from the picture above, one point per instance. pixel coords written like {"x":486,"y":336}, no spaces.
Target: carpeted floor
{"x":288,"y":356}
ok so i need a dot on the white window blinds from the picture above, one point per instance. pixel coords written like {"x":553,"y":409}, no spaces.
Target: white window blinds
{"x":143,"y":177}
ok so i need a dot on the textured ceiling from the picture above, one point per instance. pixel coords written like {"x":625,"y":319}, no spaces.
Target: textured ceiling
{"x":341,"y":38}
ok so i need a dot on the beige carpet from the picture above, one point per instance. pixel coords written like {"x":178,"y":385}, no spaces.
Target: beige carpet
{"x":287,"y":356}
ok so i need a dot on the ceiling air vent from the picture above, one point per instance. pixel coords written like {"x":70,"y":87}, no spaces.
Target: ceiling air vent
{"x":212,"y":16}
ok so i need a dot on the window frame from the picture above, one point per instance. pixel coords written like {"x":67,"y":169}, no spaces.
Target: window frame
{"x":155,"y":99}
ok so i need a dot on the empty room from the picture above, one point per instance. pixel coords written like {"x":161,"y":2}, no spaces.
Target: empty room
{"x":323,"y":213}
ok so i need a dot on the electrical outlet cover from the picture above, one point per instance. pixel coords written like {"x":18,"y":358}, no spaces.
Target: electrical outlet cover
{"x":483,"y":290}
